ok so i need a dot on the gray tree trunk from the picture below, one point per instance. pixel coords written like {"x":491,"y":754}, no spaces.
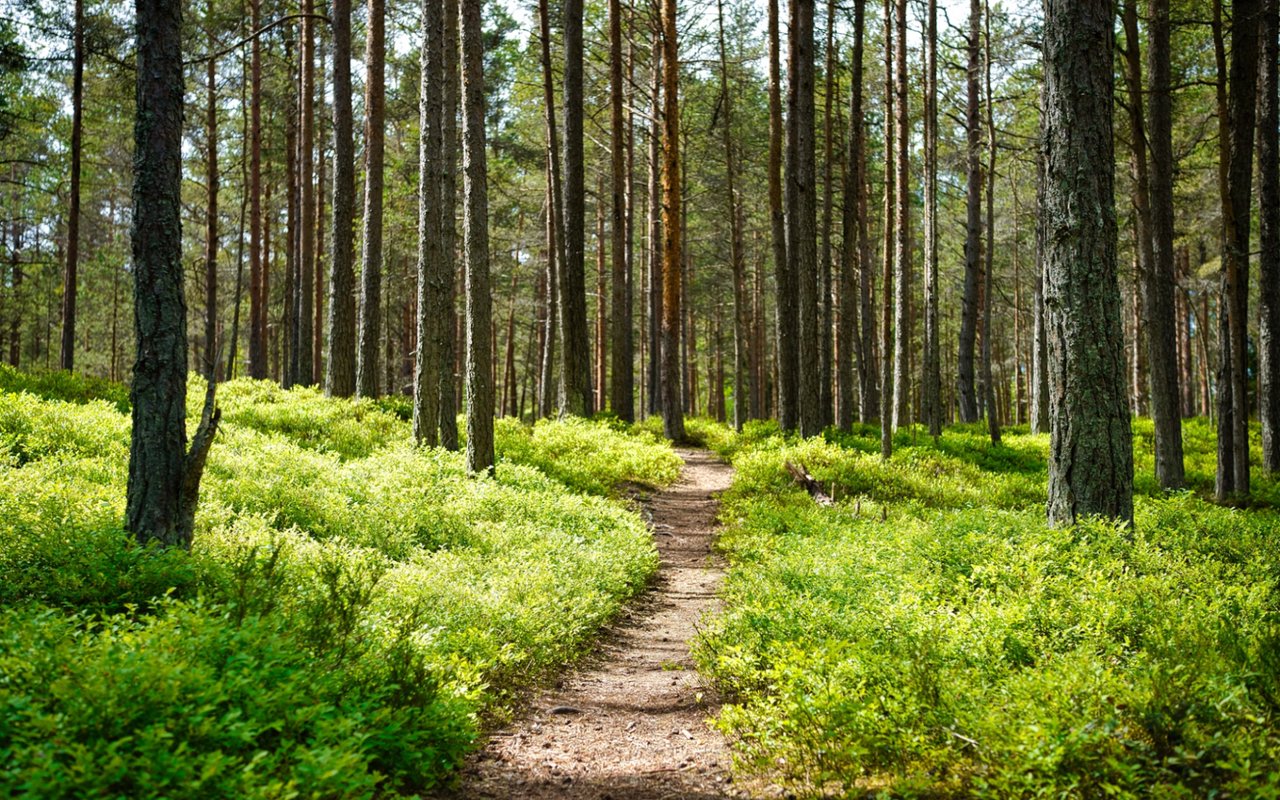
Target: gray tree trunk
{"x":479,"y":359}
{"x":622,"y":386}
{"x":741,"y":312}
{"x":902,"y":317}
{"x":304,"y":372}
{"x":429,"y":363}
{"x":1162,"y":319}
{"x":801,"y":214}
{"x":164,"y":478}
{"x":1269,"y":233}
{"x":785,"y":276}
{"x":966,"y":392}
{"x":931,"y":401}
{"x":370,"y":335}
{"x":70,"y":280}
{"x":575,"y":366}
{"x":1091,"y":446}
{"x":448,"y":266}
{"x":340,"y":360}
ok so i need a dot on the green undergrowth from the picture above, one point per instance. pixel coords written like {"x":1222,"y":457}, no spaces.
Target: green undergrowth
{"x":929,"y":635}
{"x":352,"y":605}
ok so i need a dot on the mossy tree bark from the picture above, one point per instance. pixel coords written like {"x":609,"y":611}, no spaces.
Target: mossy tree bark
{"x":1091,"y":446}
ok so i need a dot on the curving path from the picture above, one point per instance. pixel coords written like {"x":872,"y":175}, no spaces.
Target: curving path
{"x":632,"y":723}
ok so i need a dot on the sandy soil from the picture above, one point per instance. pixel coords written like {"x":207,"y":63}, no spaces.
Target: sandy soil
{"x":631,"y":724}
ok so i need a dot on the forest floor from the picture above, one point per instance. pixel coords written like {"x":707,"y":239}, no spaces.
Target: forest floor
{"x":632,"y":722}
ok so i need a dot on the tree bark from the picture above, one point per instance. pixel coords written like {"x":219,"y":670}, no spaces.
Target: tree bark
{"x":370,"y":334}
{"x":1091,"y":447}
{"x":1269,"y":234}
{"x":164,"y":478}
{"x":826,"y":395}
{"x":452,"y":329}
{"x":801,"y":216}
{"x":304,"y":371}
{"x":575,"y":366}
{"x":988,"y":335}
{"x":340,"y":360}
{"x":622,"y":386}
{"x":655,"y":228}
{"x":886,"y":283}
{"x":210,"y":366}
{"x":257,"y":302}
{"x":737,"y":261}
{"x":1161,"y":274}
{"x":479,"y":360}
{"x":965,"y":379}
{"x":902,"y":322}
{"x":931,"y":401}
{"x":672,"y":228}
{"x":785,"y":277}
{"x":429,"y":362}
{"x":70,"y":280}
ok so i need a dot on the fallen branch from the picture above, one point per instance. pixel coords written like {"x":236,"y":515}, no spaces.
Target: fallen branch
{"x":810,"y":485}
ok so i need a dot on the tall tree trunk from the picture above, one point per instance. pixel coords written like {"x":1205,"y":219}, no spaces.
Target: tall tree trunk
{"x":1236,"y":115}
{"x":70,"y":280}
{"x":890,"y":204}
{"x":452,"y":328}
{"x":304,"y":372}
{"x":786,"y":279}
{"x":826,"y":309}
{"x":1039,"y":334}
{"x":546,"y":392}
{"x":965,"y":379}
{"x":1269,"y":234}
{"x":601,"y":380}
{"x":479,"y":362}
{"x":211,"y":210}
{"x":575,"y":370}
{"x":321,"y":222}
{"x":655,"y":228}
{"x":737,"y":261}
{"x":288,"y":306}
{"x":902,"y":229}
{"x":370,"y":335}
{"x":429,"y":362}
{"x":340,"y":373}
{"x":622,"y":387}
{"x":853,"y":397}
{"x":257,"y":302}
{"x":931,"y":402}
{"x":1091,"y":447}
{"x":988,"y":334}
{"x":801,"y":216}
{"x":164,"y":478}
{"x":1161,"y":274}
{"x":672,"y":227}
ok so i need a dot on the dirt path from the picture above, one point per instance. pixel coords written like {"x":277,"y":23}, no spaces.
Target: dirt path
{"x":631,"y":724}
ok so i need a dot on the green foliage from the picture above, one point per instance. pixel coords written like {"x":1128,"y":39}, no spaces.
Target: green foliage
{"x":929,"y":635}
{"x":63,"y":385}
{"x":352,"y":604}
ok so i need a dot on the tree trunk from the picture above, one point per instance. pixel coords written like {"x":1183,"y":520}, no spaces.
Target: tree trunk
{"x":210,"y":366}
{"x":575,"y":367}
{"x":164,"y":478}
{"x":826,"y":395}
{"x":890,"y":204}
{"x":1091,"y":447}
{"x":304,"y":372}
{"x":321,"y":222}
{"x":479,"y":361}
{"x":801,"y":215}
{"x":452,"y":326}
{"x":70,"y":280}
{"x":993,"y":413}
{"x":672,"y":228}
{"x":622,"y":387}
{"x":340,"y":373}
{"x":786,"y":279}
{"x":655,"y":229}
{"x":965,"y":378}
{"x":737,"y":261}
{"x":371,"y":254}
{"x":429,"y":362}
{"x":601,"y":380}
{"x":1161,"y":274}
{"x":902,"y":230}
{"x":257,"y":302}
{"x":546,"y":392}
{"x":1236,"y":115}
{"x":931,"y":402}
{"x":1269,"y":234}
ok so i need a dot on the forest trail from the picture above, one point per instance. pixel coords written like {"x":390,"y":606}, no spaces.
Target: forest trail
{"x":631,"y":723}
